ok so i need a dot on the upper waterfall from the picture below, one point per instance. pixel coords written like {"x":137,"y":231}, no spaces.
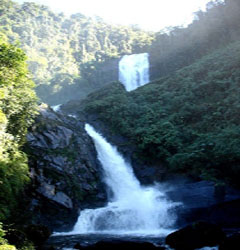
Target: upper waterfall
{"x":134,"y":71}
{"x":132,"y":208}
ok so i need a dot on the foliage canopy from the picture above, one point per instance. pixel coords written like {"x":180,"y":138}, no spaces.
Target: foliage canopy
{"x":67,"y":56}
{"x":17,"y":110}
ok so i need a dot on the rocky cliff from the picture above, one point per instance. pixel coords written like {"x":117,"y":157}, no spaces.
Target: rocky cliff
{"x":64,"y":170}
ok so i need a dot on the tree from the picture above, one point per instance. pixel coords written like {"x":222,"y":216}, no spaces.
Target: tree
{"x":17,"y":111}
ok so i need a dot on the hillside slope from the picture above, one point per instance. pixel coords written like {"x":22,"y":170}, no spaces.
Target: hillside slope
{"x":189,"y":121}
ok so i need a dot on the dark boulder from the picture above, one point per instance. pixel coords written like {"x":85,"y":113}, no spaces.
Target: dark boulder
{"x":231,"y":243}
{"x":203,"y":200}
{"x":197,"y":235}
{"x":38,"y":234}
{"x":49,"y":192}
{"x":16,"y":237}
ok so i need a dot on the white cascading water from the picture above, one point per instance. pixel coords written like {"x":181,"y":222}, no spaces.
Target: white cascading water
{"x":134,"y":71}
{"x":56,"y":108}
{"x":132,"y":209}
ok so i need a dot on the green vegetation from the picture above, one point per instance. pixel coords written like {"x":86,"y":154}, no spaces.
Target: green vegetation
{"x":189,"y":120}
{"x":23,"y":242}
{"x":2,"y":233}
{"x":17,"y":110}
{"x":68,"y":57}
{"x":3,"y":242}
{"x":71,"y":57}
{"x":184,"y":119}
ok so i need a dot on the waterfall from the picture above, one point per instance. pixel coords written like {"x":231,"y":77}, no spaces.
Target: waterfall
{"x":56,"y":108}
{"x":132,"y":208}
{"x":134,"y":71}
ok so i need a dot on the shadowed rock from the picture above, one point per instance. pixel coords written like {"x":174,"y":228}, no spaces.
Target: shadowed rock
{"x":197,"y":235}
{"x":231,"y":243}
{"x":65,"y":173}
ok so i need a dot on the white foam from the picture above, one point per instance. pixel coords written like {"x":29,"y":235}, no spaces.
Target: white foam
{"x":132,"y":209}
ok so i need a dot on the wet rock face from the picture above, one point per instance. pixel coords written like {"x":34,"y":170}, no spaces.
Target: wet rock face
{"x":64,"y":171}
{"x":53,"y":139}
{"x":203,"y":200}
{"x":50,"y":193}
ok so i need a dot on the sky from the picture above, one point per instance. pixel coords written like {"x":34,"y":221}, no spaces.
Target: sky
{"x":148,"y":14}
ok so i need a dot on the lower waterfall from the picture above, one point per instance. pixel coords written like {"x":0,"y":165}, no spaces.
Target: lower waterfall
{"x":132,"y":208}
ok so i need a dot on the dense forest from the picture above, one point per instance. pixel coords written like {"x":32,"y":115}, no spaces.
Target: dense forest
{"x":68,"y":53}
{"x":183,"y":119}
{"x":71,"y":57}
{"x":18,"y":107}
